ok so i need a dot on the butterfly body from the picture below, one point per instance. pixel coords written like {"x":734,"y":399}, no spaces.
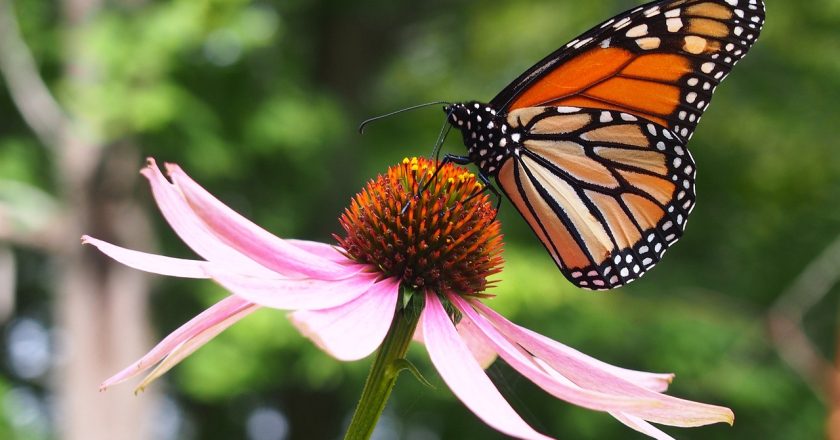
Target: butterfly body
{"x":590,"y":143}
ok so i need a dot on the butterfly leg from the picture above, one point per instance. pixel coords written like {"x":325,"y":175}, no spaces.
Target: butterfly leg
{"x":453,"y":158}
{"x":447,"y":158}
{"x":465,"y":160}
{"x":492,"y":189}
{"x":444,"y":133}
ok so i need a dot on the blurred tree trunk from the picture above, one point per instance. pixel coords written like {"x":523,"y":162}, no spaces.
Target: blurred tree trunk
{"x":100,"y":308}
{"x":787,"y":332}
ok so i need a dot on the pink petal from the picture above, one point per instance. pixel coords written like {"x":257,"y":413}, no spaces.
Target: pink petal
{"x":191,"y":229}
{"x":464,"y":375}
{"x":294,"y":294}
{"x":250,"y":239}
{"x":188,"y":347}
{"x":658,"y":408}
{"x":483,"y":353}
{"x":641,"y":426}
{"x":354,"y":330}
{"x":522,"y":362}
{"x":632,"y":421}
{"x":653,"y":381}
{"x":206,"y":321}
{"x":175,"y":267}
{"x":323,"y":250}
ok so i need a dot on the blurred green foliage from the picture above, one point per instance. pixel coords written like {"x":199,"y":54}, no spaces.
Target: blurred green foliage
{"x":259,"y":100}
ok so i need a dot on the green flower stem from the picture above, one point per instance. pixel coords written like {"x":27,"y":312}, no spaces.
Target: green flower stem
{"x":383,"y":374}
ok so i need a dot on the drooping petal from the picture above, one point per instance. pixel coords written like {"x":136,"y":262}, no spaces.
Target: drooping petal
{"x":294,"y":294}
{"x":188,"y":347}
{"x":524,"y":364}
{"x":250,"y":239}
{"x":656,"y":407}
{"x":176,"y":267}
{"x":483,"y":353}
{"x":653,"y":381}
{"x":353,"y":330}
{"x":206,"y":321}
{"x":641,"y":426}
{"x":191,"y":229}
{"x":629,"y":420}
{"x":465,"y":377}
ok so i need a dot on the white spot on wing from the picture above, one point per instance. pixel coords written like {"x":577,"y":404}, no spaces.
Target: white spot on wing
{"x":674,"y":24}
{"x":649,"y":43}
{"x":622,"y":23}
{"x":637,"y":31}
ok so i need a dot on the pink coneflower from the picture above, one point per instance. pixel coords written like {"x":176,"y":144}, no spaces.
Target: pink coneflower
{"x":398,"y":274}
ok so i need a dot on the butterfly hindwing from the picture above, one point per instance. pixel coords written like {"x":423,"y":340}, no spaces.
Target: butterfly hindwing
{"x":661,"y":61}
{"x":605,"y":191}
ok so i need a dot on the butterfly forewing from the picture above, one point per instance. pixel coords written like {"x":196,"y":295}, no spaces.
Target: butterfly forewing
{"x":661,"y":61}
{"x":605,"y":191}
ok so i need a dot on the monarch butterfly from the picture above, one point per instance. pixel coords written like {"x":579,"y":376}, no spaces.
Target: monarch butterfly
{"x":590,"y":143}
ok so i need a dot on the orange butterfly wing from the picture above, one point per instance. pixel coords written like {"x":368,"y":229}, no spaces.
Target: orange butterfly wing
{"x":661,"y":61}
{"x":605,"y":191}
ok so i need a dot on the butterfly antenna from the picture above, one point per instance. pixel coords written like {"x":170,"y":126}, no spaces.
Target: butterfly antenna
{"x":396,"y":112}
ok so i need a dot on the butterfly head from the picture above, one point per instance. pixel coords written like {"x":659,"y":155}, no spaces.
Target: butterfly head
{"x":484,"y":132}
{"x":456,"y":114}
{"x":464,"y":115}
